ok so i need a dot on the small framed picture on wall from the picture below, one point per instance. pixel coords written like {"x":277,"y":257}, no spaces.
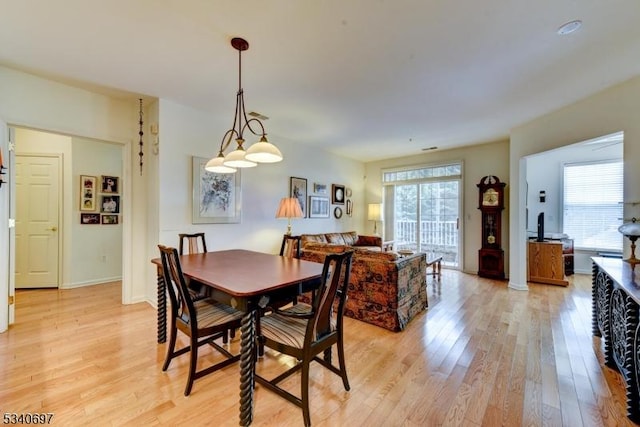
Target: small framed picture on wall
{"x":318,"y":207}
{"x":110,"y":184}
{"x":110,"y":204}
{"x":337,"y":194}
{"x":90,"y":218}
{"x":298,"y":189}
{"x":88,"y":193}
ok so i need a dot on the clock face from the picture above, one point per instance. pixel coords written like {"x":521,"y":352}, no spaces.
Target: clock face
{"x":490,"y":198}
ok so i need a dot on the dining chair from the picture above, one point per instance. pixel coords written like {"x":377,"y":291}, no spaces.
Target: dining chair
{"x":203,"y":320}
{"x":304,"y":331}
{"x":196,"y":243}
{"x":290,"y":246}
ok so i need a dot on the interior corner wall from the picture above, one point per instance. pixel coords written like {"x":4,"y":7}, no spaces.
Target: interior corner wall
{"x":478,"y":161}
{"x":38,"y":103}
{"x":609,"y":111}
{"x":186,"y":132}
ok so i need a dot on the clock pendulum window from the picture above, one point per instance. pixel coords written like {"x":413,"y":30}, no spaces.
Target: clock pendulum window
{"x":491,"y":204}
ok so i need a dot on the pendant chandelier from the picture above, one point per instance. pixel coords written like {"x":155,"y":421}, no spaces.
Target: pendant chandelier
{"x":260,"y":152}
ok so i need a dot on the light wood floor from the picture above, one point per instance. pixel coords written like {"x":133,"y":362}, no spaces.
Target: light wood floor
{"x":481,"y":355}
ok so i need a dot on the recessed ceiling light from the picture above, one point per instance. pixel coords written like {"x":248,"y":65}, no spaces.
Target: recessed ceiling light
{"x":570,"y":27}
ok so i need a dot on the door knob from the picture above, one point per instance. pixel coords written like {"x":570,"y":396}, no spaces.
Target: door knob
{"x":53,"y":228}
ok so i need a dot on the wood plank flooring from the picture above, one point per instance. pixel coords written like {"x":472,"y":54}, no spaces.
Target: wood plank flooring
{"x":482,"y":355}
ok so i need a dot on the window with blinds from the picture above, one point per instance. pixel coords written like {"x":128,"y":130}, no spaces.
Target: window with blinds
{"x":592,"y":204}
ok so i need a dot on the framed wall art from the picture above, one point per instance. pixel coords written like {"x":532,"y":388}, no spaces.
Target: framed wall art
{"x":337,"y":194}
{"x":110,"y":204}
{"x":89,"y":218}
{"x":319,"y":188}
{"x":216,"y":196}
{"x":318,"y":207}
{"x":109,"y":184}
{"x":298,"y":189}
{"x":87,"y":193}
{"x":109,"y":219}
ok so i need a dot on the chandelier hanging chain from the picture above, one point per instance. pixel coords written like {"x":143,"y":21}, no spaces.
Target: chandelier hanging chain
{"x":140,"y":132}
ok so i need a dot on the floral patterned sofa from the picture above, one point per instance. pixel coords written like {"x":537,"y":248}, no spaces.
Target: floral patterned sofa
{"x":384,"y":290}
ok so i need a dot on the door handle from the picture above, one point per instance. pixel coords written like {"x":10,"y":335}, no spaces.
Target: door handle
{"x":54,"y":228}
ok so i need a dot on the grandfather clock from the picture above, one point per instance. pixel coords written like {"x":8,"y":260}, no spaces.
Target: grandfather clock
{"x":491,"y":204}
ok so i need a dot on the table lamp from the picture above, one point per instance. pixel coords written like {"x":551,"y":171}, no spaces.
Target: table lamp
{"x":289,"y":208}
{"x":375,"y":215}
{"x":632,"y":231}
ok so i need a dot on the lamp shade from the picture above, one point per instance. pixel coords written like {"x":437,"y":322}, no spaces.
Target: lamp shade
{"x":630,"y":229}
{"x":237,"y":159}
{"x":216,"y":165}
{"x":289,"y":208}
{"x":375,"y":212}
{"x":263,"y":152}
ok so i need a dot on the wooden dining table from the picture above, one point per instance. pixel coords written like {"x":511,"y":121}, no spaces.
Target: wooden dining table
{"x":245,"y":280}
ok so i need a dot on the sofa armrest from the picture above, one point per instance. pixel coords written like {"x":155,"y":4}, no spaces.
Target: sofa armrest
{"x":369,"y":241}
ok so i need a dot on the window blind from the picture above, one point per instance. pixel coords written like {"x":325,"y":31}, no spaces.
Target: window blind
{"x":592,"y":205}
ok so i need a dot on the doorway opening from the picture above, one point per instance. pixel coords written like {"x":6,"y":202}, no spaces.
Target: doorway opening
{"x":89,"y":253}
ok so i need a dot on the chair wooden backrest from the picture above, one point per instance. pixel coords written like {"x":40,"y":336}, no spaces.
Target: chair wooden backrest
{"x":182,"y":306}
{"x":335,"y":282}
{"x":195,"y":242}
{"x":290,"y":246}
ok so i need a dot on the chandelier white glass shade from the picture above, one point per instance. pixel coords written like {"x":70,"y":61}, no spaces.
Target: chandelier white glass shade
{"x":632,"y":231}
{"x":260,"y":152}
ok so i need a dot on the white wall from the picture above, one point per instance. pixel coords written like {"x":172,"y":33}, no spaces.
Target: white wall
{"x":612,"y":110}
{"x":478,"y":161}
{"x":96,"y":255}
{"x":42,"y":104}
{"x":4,"y":232}
{"x":186,"y":132}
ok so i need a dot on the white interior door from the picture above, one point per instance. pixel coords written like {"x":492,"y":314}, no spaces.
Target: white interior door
{"x":37,"y":221}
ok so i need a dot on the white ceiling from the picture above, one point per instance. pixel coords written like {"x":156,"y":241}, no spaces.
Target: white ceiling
{"x":367,"y":79}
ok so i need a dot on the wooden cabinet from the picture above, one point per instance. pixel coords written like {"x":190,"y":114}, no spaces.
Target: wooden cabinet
{"x":546,"y":262}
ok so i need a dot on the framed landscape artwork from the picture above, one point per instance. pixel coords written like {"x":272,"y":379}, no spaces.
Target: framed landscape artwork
{"x":216,"y":196}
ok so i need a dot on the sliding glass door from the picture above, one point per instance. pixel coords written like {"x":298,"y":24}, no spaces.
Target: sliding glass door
{"x":424,"y":214}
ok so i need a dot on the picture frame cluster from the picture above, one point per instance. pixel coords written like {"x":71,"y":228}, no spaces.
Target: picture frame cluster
{"x":107,"y":194}
{"x":318,"y":204}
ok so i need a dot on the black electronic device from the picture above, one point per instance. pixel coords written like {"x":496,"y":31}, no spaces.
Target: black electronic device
{"x":540,"y":227}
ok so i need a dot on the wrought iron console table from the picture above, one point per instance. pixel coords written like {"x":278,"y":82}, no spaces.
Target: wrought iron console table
{"x":616,"y":309}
